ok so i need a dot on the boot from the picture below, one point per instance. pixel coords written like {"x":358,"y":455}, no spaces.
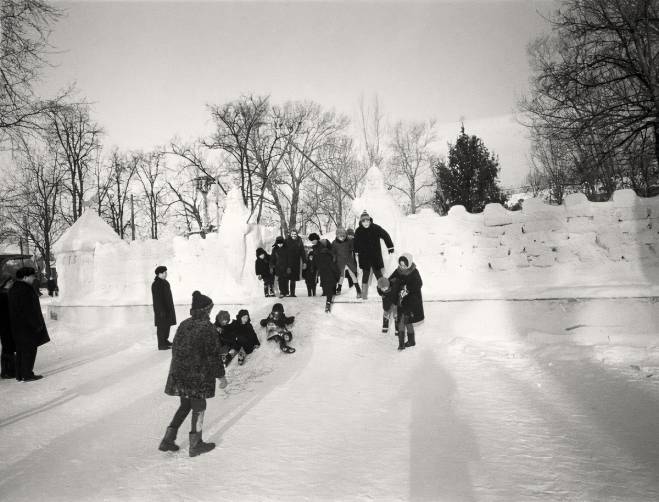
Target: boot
{"x":401,"y":339}
{"x":266,"y":291}
{"x":410,"y":339}
{"x":385,"y":324}
{"x":359,"y":290}
{"x":197,"y":445}
{"x":167,"y":443}
{"x":364,"y":290}
{"x":338,"y":289}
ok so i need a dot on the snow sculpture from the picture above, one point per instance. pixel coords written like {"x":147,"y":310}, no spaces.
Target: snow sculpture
{"x":378,"y":202}
{"x":233,"y":234}
{"x":75,"y":255}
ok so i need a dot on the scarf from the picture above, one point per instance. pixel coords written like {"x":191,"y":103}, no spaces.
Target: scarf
{"x":408,"y":270}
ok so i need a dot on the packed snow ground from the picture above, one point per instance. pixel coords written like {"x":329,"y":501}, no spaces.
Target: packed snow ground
{"x":500,"y":401}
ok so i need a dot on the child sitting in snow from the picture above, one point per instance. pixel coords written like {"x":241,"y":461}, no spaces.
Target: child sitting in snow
{"x":243,"y":337}
{"x":410,"y":303}
{"x":310,"y":274}
{"x":276,"y":329}
{"x":223,"y":329}
{"x":388,"y":290}
{"x":264,"y":271}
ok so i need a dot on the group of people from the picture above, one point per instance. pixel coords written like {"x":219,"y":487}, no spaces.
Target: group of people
{"x":325,"y":263}
{"x":22,"y":326}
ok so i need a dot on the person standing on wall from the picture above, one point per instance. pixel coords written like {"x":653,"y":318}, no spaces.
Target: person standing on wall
{"x":8,"y":357}
{"x":367,"y":249}
{"x":296,"y":258}
{"x":28,"y":327}
{"x":163,"y":307}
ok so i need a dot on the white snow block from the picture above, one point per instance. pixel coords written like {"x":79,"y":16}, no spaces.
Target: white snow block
{"x":639,"y":212}
{"x":565,"y":255}
{"x":580,"y":224}
{"x":608,"y":241}
{"x":504,"y":263}
{"x":520,"y":260}
{"x":536,"y":250}
{"x":545,"y":225}
{"x":495,"y":232}
{"x":625,"y":198}
{"x":576,"y":204}
{"x":496,"y":215}
{"x":635,"y":226}
{"x":487,"y":242}
{"x":546,"y":260}
{"x":536,"y":209}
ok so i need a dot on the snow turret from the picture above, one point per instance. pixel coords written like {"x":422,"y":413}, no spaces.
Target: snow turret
{"x":88,"y":231}
{"x":233,"y":231}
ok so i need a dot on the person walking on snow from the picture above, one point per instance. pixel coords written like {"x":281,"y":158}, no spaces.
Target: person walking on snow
{"x":280,"y":264}
{"x":310,"y":274}
{"x":263,"y":270}
{"x":196,"y":364}
{"x":388,"y":290}
{"x":327,"y":271}
{"x":296,"y":259}
{"x":344,"y":253}
{"x":367,"y":249}
{"x":163,"y":307}
{"x":410,"y":303}
{"x":8,"y":355}
{"x":28,"y":327}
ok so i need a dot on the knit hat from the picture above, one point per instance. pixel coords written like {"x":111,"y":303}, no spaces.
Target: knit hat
{"x":241,"y":313}
{"x":313,"y":236}
{"x":160,"y":269}
{"x":293,"y":231}
{"x":350,"y":231}
{"x":364,"y":215}
{"x":200,"y":302}
{"x":222,"y":315}
{"x":279,"y":240}
{"x":383,"y":283}
{"x":278,"y":307}
{"x":260,"y":251}
{"x":341,"y":232}
{"x":23,"y":272}
{"x":406,"y":258}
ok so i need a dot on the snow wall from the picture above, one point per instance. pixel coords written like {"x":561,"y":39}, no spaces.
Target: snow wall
{"x":596,"y":248}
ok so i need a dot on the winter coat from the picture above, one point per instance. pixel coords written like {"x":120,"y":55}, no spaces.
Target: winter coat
{"x":243,"y":334}
{"x":6,"y":338}
{"x":327,"y":270}
{"x":279,"y":320}
{"x":28,"y":328}
{"x":163,"y":303}
{"x":412,"y":304}
{"x":263,"y":267}
{"x":296,"y":256}
{"x":310,"y":273}
{"x":279,"y":260}
{"x":390,"y":297}
{"x":367,"y":245}
{"x":344,"y":254}
{"x":196,"y":359}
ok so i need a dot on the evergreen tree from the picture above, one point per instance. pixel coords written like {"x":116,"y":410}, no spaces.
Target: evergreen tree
{"x":468,"y":177}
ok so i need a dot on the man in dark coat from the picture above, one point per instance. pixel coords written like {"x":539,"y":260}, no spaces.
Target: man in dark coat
{"x":367,"y":249}
{"x":279,"y":258}
{"x":28,"y":327}
{"x":196,"y":363}
{"x":8,"y":356}
{"x":327,"y":271}
{"x":163,"y":307}
{"x":295,"y":258}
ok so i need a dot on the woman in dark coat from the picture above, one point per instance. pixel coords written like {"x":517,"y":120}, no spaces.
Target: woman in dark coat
{"x":279,"y":260}
{"x":296,"y":257}
{"x":196,"y":363}
{"x":367,"y":249}
{"x":344,"y":253}
{"x":410,"y":304}
{"x":245,"y":339}
{"x":327,"y":271}
{"x":28,"y":327}
{"x":163,"y":307}
{"x":8,"y":356}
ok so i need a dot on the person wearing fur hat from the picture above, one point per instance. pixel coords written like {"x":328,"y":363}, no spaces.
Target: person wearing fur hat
{"x":410,"y":303}
{"x":276,"y":325}
{"x":224,"y":335}
{"x":28,"y":328}
{"x":388,"y":290}
{"x":327,"y":271}
{"x":244,"y":337}
{"x":264,"y":272}
{"x":344,"y":254}
{"x":367,"y":249}
{"x":296,"y":260}
{"x":279,"y":260}
{"x":196,"y":364}
{"x":163,"y":307}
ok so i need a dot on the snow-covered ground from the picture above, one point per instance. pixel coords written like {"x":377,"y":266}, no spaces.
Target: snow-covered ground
{"x":500,"y":401}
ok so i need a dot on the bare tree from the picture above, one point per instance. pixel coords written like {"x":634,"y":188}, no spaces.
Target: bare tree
{"x":77,"y":137}
{"x":24,"y":31}
{"x":150,"y":173}
{"x":372,"y":129}
{"x":412,"y":160}
{"x":122,"y":170}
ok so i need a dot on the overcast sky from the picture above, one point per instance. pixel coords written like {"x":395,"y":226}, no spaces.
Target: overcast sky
{"x":150,"y":68}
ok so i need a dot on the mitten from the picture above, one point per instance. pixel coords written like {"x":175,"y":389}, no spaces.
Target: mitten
{"x":391,"y":250}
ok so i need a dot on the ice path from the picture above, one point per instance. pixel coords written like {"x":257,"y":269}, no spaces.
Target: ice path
{"x":348,"y":417}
